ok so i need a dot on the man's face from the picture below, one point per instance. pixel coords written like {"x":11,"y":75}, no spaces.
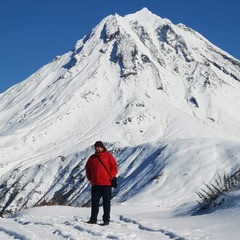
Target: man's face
{"x":98,"y":149}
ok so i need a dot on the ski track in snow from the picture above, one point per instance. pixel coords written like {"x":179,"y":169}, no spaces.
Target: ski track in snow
{"x":169,"y":234}
{"x":10,"y":234}
{"x":75,"y":228}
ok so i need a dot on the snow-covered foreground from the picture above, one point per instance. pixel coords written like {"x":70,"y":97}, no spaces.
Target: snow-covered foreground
{"x":127,"y":222}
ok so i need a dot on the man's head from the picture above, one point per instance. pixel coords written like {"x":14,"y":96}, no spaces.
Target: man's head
{"x":99,"y":147}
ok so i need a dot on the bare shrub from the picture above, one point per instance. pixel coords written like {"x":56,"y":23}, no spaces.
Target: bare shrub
{"x":214,"y":194}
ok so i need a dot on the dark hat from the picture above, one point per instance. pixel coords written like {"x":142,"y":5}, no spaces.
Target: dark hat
{"x":99,"y":144}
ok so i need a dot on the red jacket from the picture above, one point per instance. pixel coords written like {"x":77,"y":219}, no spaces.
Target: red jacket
{"x":96,"y":173}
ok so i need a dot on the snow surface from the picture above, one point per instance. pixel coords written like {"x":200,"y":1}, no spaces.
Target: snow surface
{"x":166,"y":103}
{"x":127,"y":222}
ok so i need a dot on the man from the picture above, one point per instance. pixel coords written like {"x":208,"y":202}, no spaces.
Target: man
{"x":101,"y":167}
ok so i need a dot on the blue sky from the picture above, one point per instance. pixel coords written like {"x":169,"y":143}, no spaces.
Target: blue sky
{"x":33,"y":32}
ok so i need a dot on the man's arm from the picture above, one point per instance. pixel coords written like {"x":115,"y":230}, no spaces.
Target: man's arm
{"x":113,"y":166}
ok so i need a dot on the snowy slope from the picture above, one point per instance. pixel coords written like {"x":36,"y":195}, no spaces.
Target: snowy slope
{"x":161,"y":96}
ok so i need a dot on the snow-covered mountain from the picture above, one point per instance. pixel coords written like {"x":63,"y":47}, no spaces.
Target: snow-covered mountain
{"x":161,"y":96}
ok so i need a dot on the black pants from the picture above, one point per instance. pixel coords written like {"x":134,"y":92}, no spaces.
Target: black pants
{"x":97,"y":193}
